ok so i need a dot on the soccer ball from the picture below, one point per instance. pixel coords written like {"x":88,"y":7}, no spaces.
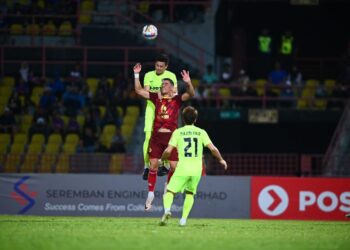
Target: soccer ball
{"x":150,"y":32}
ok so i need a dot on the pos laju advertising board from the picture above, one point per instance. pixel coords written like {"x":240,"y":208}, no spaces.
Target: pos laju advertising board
{"x":300,"y":198}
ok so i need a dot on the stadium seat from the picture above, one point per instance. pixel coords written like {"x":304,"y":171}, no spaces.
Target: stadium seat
{"x":81,"y":120}
{"x":47,"y":162}
{"x":17,"y":148}
{"x":24,"y":128}
{"x":49,"y":29}
{"x":52,"y":148}
{"x":260,"y":86}
{"x":109,"y":129}
{"x":5,"y":139}
{"x":72,"y":139}
{"x":92,"y":83}
{"x":69,"y":148}
{"x":30,"y":163}
{"x":116,"y":163}
{"x":16,"y":29}
{"x":11,"y":163}
{"x":65,"y":119}
{"x":4,"y":100}
{"x":127,"y":132}
{"x":329,"y":84}
{"x":38,"y":139}
{"x":33,"y":29}
{"x":6,"y":91}
{"x":320,"y":103}
{"x":224,"y":92}
{"x":302,"y":103}
{"x":132,"y":110}
{"x":130,"y":120}
{"x":27,"y":119}
{"x":8,"y":81}
{"x":195,"y":83}
{"x":120,"y":111}
{"x":102,"y":110}
{"x":85,"y":18}
{"x":106,"y":139}
{"x":65,"y":29}
{"x":62,"y":165}
{"x":20,"y":139}
{"x":34,"y":148}
{"x":55,"y":139}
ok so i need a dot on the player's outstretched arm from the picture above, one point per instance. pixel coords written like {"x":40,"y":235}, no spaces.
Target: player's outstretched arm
{"x":189,"y":87}
{"x":138,"y":88}
{"x":167,"y":152}
{"x":217,"y":155}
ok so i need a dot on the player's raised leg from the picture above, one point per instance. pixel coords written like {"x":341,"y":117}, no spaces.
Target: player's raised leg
{"x":145,"y":154}
{"x":152,"y":179}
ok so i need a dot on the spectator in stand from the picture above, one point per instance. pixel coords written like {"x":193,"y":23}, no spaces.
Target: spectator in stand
{"x":209,"y":78}
{"x":75,"y":78}
{"x":226,"y":75}
{"x":120,"y":85}
{"x":47,"y":100}
{"x":22,"y":88}
{"x":39,"y":127}
{"x":57,"y":87}
{"x":15,"y":103}
{"x":73,"y":101}
{"x":118,"y":142}
{"x":57,"y":123}
{"x":88,"y":142}
{"x":7,"y":122}
{"x":277,"y":77}
{"x":73,"y":126}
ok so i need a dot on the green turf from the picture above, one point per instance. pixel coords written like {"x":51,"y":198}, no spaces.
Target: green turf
{"x":31,"y":232}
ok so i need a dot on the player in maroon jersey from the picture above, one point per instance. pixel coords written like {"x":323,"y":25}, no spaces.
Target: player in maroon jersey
{"x":168,"y":105}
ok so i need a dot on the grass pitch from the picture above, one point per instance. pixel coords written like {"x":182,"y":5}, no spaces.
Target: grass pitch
{"x":34,"y":232}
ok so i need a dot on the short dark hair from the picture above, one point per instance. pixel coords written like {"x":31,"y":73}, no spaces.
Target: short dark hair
{"x":189,"y":115}
{"x":163,"y":58}
{"x":168,"y":79}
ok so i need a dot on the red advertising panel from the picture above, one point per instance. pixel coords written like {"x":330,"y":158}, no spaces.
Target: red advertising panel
{"x":300,"y":198}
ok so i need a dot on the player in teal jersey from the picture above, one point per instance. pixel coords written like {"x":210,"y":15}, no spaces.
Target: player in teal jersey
{"x":152,"y":82}
{"x":189,"y":141}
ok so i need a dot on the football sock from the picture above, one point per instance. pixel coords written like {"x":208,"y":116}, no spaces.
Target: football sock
{"x":168,"y":201}
{"x":145,"y":148}
{"x":188,"y":203}
{"x":152,"y":179}
{"x":170,"y":174}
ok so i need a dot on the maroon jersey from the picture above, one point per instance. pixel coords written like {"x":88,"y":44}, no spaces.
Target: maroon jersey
{"x":167,"y":111}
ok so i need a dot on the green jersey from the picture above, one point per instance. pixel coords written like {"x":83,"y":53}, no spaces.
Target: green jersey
{"x":154,"y":82}
{"x":189,"y":141}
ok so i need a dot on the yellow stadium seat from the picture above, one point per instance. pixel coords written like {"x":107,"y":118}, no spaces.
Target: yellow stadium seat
{"x":260,"y":86}
{"x":34,"y":148}
{"x":92,"y":83}
{"x":102,"y":110}
{"x":224,"y":92}
{"x":130,"y":120}
{"x":24,"y":128}
{"x":38,"y":91}
{"x":120,"y":110}
{"x":3,"y":149}
{"x":302,"y":103}
{"x":27,"y":119}
{"x":55,"y":139}
{"x":33,"y":29}
{"x":35,"y":99}
{"x":49,"y":29}
{"x":65,"y":119}
{"x":4,"y":100}
{"x":195,"y":83}
{"x":87,"y":5}
{"x":52,"y":148}
{"x":65,"y":29}
{"x":132,"y":110}
{"x":329,"y":84}
{"x":16,"y":29}
{"x":29,"y":164}
{"x":106,"y":139}
{"x":17,"y":148}
{"x":109,"y":129}
{"x":320,"y":103}
{"x":62,"y":164}
{"x":47,"y":162}
{"x":116,"y":163}
{"x":8,"y":81}
{"x":38,"y":139}
{"x":311,"y":83}
{"x":5,"y":139}
{"x":81,"y":120}
{"x":5,"y":91}
{"x":12,"y":161}
{"x":20,"y":139}
{"x":127,"y":132}
{"x":69,"y":148}
{"x":72,"y":139}
{"x":85,"y":18}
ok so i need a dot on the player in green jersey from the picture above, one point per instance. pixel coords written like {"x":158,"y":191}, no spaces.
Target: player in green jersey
{"x":152,"y":82}
{"x":189,"y":141}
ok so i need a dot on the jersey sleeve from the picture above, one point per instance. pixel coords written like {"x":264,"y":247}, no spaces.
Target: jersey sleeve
{"x":174,"y":138}
{"x":146,"y":79}
{"x":205,"y":138}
